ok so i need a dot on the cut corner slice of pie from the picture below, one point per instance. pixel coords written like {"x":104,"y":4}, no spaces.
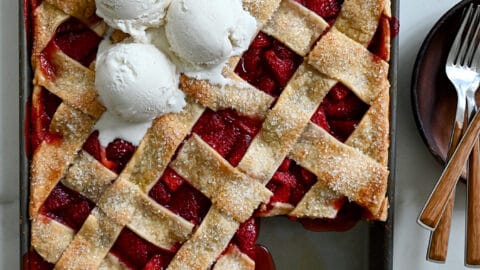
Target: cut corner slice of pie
{"x":302,"y":131}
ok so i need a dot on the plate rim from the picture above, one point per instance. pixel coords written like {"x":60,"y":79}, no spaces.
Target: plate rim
{"x":414,"y":88}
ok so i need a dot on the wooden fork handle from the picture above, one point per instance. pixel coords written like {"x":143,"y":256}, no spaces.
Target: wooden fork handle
{"x":435,"y":206}
{"x":438,"y":247}
{"x":472,"y":256}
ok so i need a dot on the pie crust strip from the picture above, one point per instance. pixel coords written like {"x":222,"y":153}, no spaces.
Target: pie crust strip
{"x":207,"y":243}
{"x":364,"y":181}
{"x":237,"y":95}
{"x":51,"y":160}
{"x":83,"y":10}
{"x":234,"y":259}
{"x":306,"y":26}
{"x":285,"y":122}
{"x":347,"y":61}
{"x":359,"y":19}
{"x":72,"y":82}
{"x":229,"y":190}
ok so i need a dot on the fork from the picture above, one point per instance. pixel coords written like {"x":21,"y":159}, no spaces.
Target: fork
{"x":462,"y":70}
{"x":438,"y":245}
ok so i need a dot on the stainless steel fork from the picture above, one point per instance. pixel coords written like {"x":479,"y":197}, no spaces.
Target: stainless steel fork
{"x":462,"y":68}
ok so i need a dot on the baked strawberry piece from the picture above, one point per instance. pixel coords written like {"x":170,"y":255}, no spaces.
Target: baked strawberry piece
{"x":268,"y":64}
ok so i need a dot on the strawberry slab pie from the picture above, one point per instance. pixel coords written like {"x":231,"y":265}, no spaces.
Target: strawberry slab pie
{"x":160,"y":133}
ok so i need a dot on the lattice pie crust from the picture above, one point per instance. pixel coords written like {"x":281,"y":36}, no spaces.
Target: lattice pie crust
{"x":355,"y":169}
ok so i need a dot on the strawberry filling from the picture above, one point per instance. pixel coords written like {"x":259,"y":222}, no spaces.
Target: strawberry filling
{"x":177,"y":195}
{"x":33,"y":261}
{"x":340,"y":112}
{"x":378,"y":45}
{"x":73,"y":38}
{"x":228,"y":132}
{"x":39,"y":118}
{"x":347,"y":218}
{"x":263,"y":259}
{"x":268,"y":65}
{"x":137,"y":253}
{"x":246,"y":237}
{"x":67,"y":207}
{"x":289,"y":184}
{"x":115,"y":156}
{"x":327,"y":9}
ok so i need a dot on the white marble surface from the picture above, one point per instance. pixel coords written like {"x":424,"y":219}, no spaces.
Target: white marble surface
{"x":416,"y":169}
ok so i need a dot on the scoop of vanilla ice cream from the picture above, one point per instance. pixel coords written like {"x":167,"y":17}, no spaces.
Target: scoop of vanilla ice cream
{"x":132,"y":16}
{"x":137,"y":82}
{"x":207,"y":32}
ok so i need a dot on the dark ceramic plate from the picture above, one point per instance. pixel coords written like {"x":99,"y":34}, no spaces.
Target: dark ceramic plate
{"x":433,"y":96}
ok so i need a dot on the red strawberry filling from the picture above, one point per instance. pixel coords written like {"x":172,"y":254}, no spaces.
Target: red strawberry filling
{"x":289,"y":184}
{"x":378,"y":45}
{"x":228,"y":132}
{"x":340,"y":112}
{"x":138,"y":253}
{"x":114,"y":157}
{"x":346,"y":218}
{"x":263,"y":259}
{"x":33,"y":261}
{"x":268,"y":65}
{"x":67,"y":206}
{"x":39,"y":118}
{"x":73,"y":38}
{"x":246,"y":237}
{"x":174,"y":193}
{"x":327,"y":9}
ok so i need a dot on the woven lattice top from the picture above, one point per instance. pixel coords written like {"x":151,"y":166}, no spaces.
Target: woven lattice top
{"x":354,"y":169}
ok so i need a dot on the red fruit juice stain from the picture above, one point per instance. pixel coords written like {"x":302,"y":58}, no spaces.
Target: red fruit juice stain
{"x":263,"y":259}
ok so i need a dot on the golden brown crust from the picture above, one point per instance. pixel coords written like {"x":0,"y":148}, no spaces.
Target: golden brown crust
{"x":240,"y":96}
{"x":277,"y":209}
{"x":91,"y":244}
{"x":159,"y":145}
{"x":360,"y":179}
{"x":229,"y":190}
{"x":207,"y":243}
{"x":51,"y":160}
{"x":319,"y":202}
{"x":46,"y":19}
{"x":341,"y":58}
{"x":371,"y":136}
{"x":285,"y":123}
{"x":50,"y":238}
{"x":80,"y":9}
{"x":88,"y":177}
{"x":358,"y":19}
{"x":305,"y":27}
{"x":111,"y":262}
{"x":262,"y":10}
{"x":234,"y":259}
{"x":73,"y":83}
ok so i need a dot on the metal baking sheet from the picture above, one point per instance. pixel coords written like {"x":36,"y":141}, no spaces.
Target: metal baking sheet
{"x":367,"y":246}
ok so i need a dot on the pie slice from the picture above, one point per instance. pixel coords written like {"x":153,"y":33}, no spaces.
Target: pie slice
{"x":302,"y":131}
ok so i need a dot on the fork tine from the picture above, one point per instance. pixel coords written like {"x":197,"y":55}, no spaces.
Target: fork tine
{"x":472,"y":40}
{"x":461,"y":59}
{"x":476,"y":57}
{"x":452,"y":55}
